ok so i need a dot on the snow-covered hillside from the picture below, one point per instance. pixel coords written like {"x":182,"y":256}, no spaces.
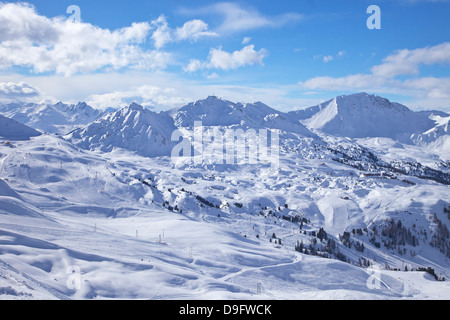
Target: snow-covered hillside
{"x":436,"y":139}
{"x":104,"y":213}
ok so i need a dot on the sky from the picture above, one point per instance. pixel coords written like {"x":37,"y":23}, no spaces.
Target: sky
{"x":287,"y":54}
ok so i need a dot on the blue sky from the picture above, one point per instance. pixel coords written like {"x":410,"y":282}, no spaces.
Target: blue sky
{"x":288,"y":54}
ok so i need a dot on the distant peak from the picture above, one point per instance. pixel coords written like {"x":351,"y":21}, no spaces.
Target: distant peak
{"x":371,"y":99}
{"x":363,"y":94}
{"x":358,"y":95}
{"x":212,"y":98}
{"x":82,"y":104}
{"x":210,"y":101}
{"x":259,"y":103}
{"x":59,"y":105}
{"x":135,"y":106}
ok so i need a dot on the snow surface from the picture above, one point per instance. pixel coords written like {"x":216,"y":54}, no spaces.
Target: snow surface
{"x":103,"y":213}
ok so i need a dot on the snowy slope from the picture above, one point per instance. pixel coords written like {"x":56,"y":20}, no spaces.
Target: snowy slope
{"x":436,"y":139}
{"x":103,"y":213}
{"x":11,"y":129}
{"x":134,"y":128}
{"x":363,"y":115}
{"x":440,"y":129}
{"x":139,"y":221}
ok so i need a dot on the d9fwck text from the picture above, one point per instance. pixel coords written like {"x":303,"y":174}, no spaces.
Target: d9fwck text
{"x":244,"y":309}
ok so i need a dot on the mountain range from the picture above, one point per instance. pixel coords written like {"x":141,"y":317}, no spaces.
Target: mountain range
{"x":358,"y":115}
{"x":52,"y":118}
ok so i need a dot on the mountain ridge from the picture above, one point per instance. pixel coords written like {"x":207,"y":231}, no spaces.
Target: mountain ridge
{"x":362,"y":115}
{"x":214,"y":111}
{"x":134,"y":128}
{"x":358,"y":115}
{"x":59,"y":118}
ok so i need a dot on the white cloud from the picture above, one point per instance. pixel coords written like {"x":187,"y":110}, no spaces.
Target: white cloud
{"x":149,"y":96}
{"x":212,"y":76}
{"x":407,"y":62}
{"x":179,"y":93}
{"x":160,"y":89}
{"x":66,"y":47}
{"x":21,"y":23}
{"x":194,"y":65}
{"x":351,"y":82}
{"x":191,"y":30}
{"x":15,"y":91}
{"x":236,"y":18}
{"x":60,"y":45}
{"x":432,"y":91}
{"x":162,"y":35}
{"x":431,"y":87}
{"x":220,"y":59}
{"x":246,"y":40}
{"x":328,"y":58}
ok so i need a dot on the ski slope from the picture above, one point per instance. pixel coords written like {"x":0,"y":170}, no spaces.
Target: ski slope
{"x":88,"y":216}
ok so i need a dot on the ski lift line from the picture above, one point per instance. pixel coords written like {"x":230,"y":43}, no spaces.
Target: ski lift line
{"x":70,"y":177}
{"x":11,"y":155}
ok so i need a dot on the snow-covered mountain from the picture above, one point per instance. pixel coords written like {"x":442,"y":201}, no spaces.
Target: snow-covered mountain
{"x":436,"y":139}
{"x":11,"y":129}
{"x":58,"y":118}
{"x":339,"y":218}
{"x":441,"y":128}
{"x":149,"y":133}
{"x":362,"y":115}
{"x":214,"y":111}
{"x":134,"y":128}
